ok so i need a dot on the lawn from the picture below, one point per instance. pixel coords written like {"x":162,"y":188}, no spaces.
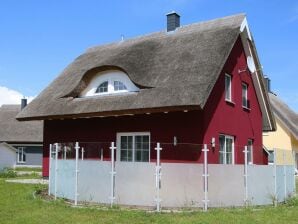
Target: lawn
{"x":19,"y":205}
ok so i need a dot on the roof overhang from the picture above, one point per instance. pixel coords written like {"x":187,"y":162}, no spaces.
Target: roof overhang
{"x":257,"y":77}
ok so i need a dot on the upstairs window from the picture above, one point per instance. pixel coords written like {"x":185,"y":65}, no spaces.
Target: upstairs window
{"x":108,"y":83}
{"x":245,"y":103}
{"x":102,"y":88}
{"x":228,"y":88}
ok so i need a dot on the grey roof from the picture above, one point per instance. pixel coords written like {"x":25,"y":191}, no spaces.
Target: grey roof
{"x":285,"y":114}
{"x":12,"y":130}
{"x":174,"y":71}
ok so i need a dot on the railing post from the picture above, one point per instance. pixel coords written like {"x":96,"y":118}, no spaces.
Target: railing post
{"x":158,"y":177}
{"x":205,"y":177}
{"x":77,"y":148}
{"x":50,"y":167}
{"x":113,"y":173}
{"x":245,"y":175}
{"x":56,"y":170}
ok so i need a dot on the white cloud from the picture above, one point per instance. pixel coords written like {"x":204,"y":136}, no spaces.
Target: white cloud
{"x":10,"y":96}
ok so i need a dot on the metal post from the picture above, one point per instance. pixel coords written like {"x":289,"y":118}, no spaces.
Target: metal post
{"x":77,"y":147}
{"x":158,"y":177}
{"x":82,"y":153}
{"x":275,"y":177}
{"x":56,"y":169}
{"x":50,"y":167}
{"x":285,"y":173}
{"x":205,"y":177}
{"x":113,"y":173}
{"x":245,"y":175}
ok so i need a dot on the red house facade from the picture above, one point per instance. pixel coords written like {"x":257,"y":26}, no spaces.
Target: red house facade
{"x":195,"y":85}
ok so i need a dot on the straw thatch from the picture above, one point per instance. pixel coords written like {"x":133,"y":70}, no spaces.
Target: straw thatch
{"x":174,"y":71}
{"x":285,"y":114}
{"x":12,"y":130}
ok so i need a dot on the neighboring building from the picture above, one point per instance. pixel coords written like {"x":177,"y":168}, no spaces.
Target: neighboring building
{"x":7,"y":156}
{"x":194,"y":84}
{"x":25,"y":137}
{"x":285,"y":138}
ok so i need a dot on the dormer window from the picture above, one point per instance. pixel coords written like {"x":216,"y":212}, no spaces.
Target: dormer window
{"x":118,"y":86}
{"x":109,"y":83}
{"x":102,"y":88}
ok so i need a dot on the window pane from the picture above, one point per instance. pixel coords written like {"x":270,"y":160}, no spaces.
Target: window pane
{"x":229,"y":158}
{"x":221,"y":149}
{"x":228,"y":87}
{"x":229,"y":145}
{"x":142,"y":148}
{"x":126,"y":148}
{"x":119,"y":86}
{"x":244,"y":95}
{"x":250,"y":152}
{"x":271,"y":157}
{"x":102,"y":88}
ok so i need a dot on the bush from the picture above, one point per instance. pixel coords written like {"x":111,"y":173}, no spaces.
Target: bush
{"x":8,"y":173}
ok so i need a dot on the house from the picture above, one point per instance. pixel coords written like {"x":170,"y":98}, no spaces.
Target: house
{"x":7,"y":156}
{"x":285,"y":139}
{"x":197,"y":84}
{"x":24,"y":137}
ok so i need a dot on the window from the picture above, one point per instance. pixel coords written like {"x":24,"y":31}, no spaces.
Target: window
{"x":226,"y":151}
{"x":134,"y":147}
{"x":250,"y":151}
{"x":244,"y":96}
{"x":228,"y":87}
{"x":102,"y":88}
{"x":21,"y":155}
{"x":107,"y":83}
{"x":118,"y":86}
{"x":271,"y":157}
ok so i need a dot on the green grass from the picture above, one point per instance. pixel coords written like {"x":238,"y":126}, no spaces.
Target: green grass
{"x":18,"y":205}
{"x":35,"y":169}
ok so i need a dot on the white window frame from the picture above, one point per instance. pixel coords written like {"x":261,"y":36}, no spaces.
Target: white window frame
{"x":109,"y":76}
{"x":133,"y":134}
{"x":22,"y":150}
{"x":246,"y":95}
{"x":225,"y":149}
{"x":229,"y":89}
{"x":251,"y":161}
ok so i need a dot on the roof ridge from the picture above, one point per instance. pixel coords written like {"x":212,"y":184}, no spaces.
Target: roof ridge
{"x":161,"y":32}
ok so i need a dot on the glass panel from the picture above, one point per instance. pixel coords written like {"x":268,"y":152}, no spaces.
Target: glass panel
{"x":102,"y":88}
{"x":142,"y":148}
{"x":228,"y":87}
{"x":119,"y":86}
{"x":249,"y":153}
{"x":244,"y":95}
{"x":271,"y":157}
{"x":221,"y":149}
{"x":126,"y":148}
{"x":229,"y":157}
{"x":229,"y":145}
{"x":138,"y":156}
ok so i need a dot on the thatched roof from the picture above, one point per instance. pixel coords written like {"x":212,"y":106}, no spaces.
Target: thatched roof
{"x":12,"y":130}
{"x":175,"y":70}
{"x":284,"y":113}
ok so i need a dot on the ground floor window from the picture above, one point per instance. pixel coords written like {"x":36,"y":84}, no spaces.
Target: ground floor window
{"x":133,"y":147}
{"x":226,"y":151}
{"x":250,"y":151}
{"x":21,"y":155}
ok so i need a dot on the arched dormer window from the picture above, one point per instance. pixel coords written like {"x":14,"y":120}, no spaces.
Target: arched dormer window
{"x":108,"y":83}
{"x":103,"y":87}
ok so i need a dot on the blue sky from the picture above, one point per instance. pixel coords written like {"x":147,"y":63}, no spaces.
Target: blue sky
{"x":40,"y":38}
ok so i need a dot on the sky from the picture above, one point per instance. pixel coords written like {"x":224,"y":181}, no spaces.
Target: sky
{"x":38,"y":39}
